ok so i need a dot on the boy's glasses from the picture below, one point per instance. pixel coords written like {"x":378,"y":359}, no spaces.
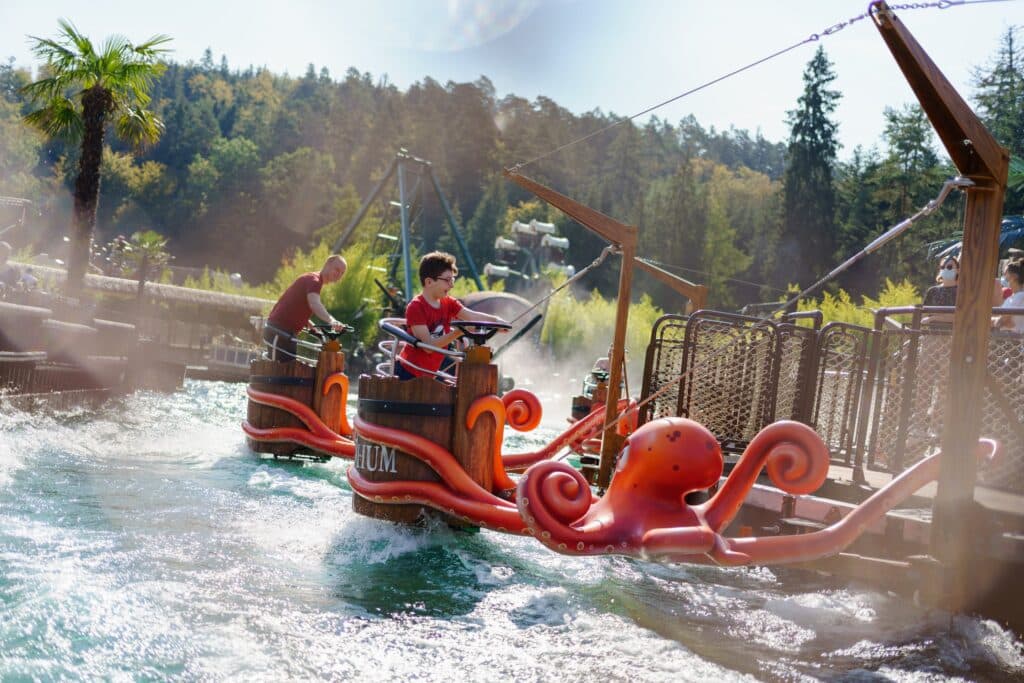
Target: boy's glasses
{"x":450,"y":280}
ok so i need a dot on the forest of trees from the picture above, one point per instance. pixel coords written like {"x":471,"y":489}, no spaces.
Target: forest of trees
{"x":252,"y":165}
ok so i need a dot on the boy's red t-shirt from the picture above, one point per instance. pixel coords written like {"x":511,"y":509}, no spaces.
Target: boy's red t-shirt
{"x":292,"y":310}
{"x":438,"y":321}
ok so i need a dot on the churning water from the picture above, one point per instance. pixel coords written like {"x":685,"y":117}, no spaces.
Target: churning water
{"x":143,"y":540}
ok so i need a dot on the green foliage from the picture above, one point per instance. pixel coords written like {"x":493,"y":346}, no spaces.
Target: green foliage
{"x":841,"y":308}
{"x":83,"y":91}
{"x":574,"y":326}
{"x":808,"y":239}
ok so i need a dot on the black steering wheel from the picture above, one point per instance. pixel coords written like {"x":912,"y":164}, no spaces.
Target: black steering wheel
{"x":479,"y":331}
{"x":327,"y":332}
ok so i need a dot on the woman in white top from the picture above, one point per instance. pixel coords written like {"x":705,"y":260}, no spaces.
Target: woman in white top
{"x":1014,"y":274}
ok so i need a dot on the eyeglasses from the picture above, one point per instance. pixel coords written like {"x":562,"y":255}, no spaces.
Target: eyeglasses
{"x":450,"y":280}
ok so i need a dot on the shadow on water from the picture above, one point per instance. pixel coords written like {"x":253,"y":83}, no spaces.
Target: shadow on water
{"x":391,"y":570}
{"x":431,"y":581}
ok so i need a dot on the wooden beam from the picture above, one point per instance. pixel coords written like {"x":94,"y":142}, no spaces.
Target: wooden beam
{"x":611,"y":442}
{"x":697,"y":294}
{"x":976,"y":154}
{"x":971,"y":147}
{"x":605,"y":226}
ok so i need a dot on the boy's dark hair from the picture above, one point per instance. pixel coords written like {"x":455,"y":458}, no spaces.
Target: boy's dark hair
{"x":435,"y":263}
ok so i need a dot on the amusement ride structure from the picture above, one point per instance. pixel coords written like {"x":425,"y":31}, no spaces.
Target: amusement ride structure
{"x":665,"y":488}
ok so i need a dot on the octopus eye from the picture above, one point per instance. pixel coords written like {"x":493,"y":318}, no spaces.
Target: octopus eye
{"x":710,"y":445}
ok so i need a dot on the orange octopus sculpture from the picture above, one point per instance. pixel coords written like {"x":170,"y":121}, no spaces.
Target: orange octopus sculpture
{"x":644,"y":512}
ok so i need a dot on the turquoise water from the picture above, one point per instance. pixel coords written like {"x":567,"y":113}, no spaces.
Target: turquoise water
{"x":143,"y":541}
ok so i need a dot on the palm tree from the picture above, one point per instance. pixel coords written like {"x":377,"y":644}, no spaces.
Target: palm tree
{"x":83,"y":91}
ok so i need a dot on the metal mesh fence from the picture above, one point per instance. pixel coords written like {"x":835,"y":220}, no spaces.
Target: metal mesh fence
{"x":730,"y":388}
{"x":842,"y":364}
{"x":876,"y":397}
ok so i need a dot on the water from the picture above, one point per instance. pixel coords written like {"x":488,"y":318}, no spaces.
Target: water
{"x":142,"y":540}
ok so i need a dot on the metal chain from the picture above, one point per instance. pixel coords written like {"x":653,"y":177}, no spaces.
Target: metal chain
{"x":831,"y":30}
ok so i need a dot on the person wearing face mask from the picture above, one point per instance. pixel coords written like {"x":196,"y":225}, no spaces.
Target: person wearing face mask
{"x":944,"y":293}
{"x":1013,"y":273}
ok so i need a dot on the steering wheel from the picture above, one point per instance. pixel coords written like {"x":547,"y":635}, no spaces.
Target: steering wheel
{"x":483,"y":331}
{"x":327,"y":332}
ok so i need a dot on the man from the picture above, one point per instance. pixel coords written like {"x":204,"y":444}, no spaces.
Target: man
{"x":301,"y":300}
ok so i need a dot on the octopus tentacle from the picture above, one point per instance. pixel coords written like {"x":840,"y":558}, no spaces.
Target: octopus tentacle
{"x":523,"y":410}
{"x":577,"y":433}
{"x":340,"y":379}
{"x":797,"y":462}
{"x":836,"y":538}
{"x":294,"y":407}
{"x":337,"y":446}
{"x":436,"y":457}
{"x":494,"y":406}
{"x":550,"y":496}
{"x":503,"y":517}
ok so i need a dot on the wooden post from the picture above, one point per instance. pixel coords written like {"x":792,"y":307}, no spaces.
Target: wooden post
{"x":625,"y":236}
{"x":331,"y":407}
{"x":611,"y":442}
{"x":978,"y":156}
{"x":477,"y":377}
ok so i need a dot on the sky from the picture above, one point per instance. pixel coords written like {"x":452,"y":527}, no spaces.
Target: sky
{"x":617,"y":56}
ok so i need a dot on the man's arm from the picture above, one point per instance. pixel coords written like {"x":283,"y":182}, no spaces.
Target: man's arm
{"x":313,"y":298}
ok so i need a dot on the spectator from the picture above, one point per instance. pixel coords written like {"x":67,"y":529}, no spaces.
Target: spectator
{"x":1014,"y":274}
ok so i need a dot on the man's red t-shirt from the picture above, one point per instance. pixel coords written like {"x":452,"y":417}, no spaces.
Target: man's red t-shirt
{"x":438,"y":321}
{"x":292,"y":310}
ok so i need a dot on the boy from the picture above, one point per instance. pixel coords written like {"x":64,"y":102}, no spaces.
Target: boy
{"x":428,"y":316}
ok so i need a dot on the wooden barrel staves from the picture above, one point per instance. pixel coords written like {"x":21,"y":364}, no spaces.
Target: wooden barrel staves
{"x":293,"y":379}
{"x":422,"y":406}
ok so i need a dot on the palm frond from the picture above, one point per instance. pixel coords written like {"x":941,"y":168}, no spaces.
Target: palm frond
{"x":59,"y":118}
{"x":138,"y":126}
{"x":151,"y":48}
{"x":81,"y":42}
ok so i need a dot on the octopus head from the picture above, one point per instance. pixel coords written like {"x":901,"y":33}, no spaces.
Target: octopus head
{"x":667,"y":458}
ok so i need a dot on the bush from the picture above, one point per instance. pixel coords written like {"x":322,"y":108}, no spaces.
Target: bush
{"x":840,"y":307}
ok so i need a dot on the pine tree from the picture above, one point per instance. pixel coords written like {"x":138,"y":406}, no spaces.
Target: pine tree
{"x":808,"y":234}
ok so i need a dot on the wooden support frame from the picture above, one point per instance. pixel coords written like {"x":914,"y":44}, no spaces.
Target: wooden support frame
{"x":625,"y":238}
{"x":978,"y":156}
{"x":697,"y":294}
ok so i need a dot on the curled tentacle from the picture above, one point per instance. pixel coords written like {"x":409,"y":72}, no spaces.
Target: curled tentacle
{"x":340,"y":379}
{"x":797,"y":461}
{"x":522,"y":410}
{"x":834,"y":539}
{"x":494,"y":406}
{"x":551,"y":496}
